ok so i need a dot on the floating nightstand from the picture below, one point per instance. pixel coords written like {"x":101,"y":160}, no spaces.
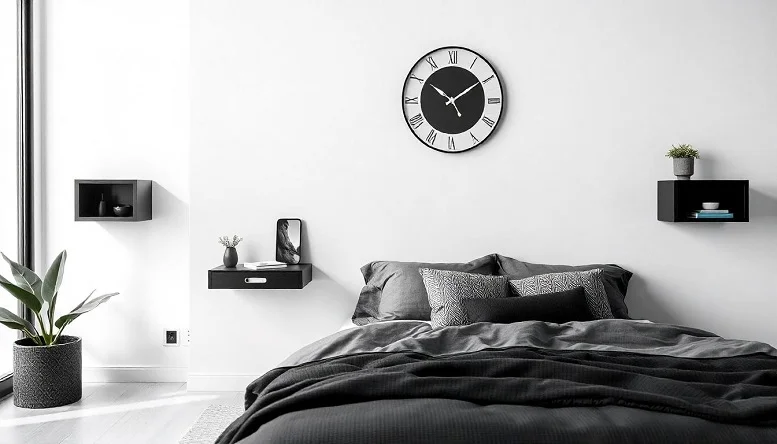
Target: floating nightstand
{"x":677,"y":199}
{"x":136,"y":193}
{"x":293,"y":277}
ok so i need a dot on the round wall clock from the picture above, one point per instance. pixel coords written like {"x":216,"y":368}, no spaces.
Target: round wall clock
{"x":452,"y":99}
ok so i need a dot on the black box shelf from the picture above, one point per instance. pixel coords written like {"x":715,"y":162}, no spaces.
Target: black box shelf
{"x":292,"y":277}
{"x":117,"y":192}
{"x":677,"y":199}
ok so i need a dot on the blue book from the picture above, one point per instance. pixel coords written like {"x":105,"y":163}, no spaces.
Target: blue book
{"x":712,"y":215}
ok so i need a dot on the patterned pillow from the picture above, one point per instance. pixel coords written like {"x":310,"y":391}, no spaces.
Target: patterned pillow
{"x":446,"y":289}
{"x":590,"y":280}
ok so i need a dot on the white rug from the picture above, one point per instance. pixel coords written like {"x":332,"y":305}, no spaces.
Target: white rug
{"x":211,"y":423}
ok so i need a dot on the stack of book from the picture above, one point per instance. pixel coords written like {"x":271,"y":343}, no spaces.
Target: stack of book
{"x":712,"y":214}
{"x":264,"y":265}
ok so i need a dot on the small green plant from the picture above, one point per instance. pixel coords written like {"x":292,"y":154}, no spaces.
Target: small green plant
{"x":40,"y":296}
{"x":683,"y":150}
{"x":230,"y":243}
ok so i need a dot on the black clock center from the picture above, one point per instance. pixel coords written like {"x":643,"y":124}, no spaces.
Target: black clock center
{"x":466,"y":107}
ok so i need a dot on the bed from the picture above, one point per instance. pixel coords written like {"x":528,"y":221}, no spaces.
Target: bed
{"x":602,"y":381}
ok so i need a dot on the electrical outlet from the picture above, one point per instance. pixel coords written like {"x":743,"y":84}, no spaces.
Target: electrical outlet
{"x":172,"y":338}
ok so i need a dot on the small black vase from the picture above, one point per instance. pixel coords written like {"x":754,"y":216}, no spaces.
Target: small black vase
{"x":230,"y":257}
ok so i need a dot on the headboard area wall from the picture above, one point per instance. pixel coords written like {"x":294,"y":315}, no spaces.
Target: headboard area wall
{"x":295,"y":110}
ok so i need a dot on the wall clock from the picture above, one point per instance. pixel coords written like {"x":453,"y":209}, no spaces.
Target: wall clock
{"x":452,"y":99}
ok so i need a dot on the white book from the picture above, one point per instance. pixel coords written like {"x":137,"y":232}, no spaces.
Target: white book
{"x":712,"y":211}
{"x":263,"y":265}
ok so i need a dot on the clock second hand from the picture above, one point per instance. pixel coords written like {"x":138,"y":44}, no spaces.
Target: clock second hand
{"x":449,"y":99}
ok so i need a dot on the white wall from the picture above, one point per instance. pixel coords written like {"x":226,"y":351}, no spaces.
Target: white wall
{"x":115,"y":102}
{"x":295,"y":113}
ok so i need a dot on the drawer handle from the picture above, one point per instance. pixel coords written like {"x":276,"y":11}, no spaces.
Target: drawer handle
{"x":256,"y":280}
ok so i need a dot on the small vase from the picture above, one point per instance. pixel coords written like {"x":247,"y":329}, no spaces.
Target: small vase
{"x":102,"y":208}
{"x":230,"y":257}
{"x":683,"y":168}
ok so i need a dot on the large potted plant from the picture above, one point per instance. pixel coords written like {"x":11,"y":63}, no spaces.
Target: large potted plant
{"x":683,"y":156}
{"x":46,"y":363}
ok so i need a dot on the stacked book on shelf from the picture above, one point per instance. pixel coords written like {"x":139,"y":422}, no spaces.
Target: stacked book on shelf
{"x":711,"y":214}
{"x":264,"y":265}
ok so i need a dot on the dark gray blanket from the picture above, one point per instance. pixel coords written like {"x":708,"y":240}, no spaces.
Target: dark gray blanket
{"x":578,"y":382}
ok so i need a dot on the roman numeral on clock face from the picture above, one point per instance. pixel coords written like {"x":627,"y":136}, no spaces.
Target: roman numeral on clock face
{"x":416,"y":121}
{"x":453,"y":57}
{"x":488,"y":79}
{"x":431,"y":137}
{"x":451,"y":143}
{"x":488,"y":122}
{"x":412,"y":76}
{"x":494,"y":101}
{"x":431,"y":63}
{"x":473,"y":63}
{"x":414,"y":100}
{"x":474,"y":139}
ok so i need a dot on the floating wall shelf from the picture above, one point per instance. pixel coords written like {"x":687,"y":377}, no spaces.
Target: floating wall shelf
{"x":293,"y":277}
{"x":677,"y":199}
{"x":117,"y":192}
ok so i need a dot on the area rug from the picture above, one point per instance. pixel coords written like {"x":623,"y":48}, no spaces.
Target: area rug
{"x":211,"y":423}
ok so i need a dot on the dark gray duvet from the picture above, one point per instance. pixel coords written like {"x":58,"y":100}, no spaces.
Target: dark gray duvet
{"x":606,"y":381}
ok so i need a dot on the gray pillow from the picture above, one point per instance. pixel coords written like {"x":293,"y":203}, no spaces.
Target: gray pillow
{"x":590,"y":280}
{"x":395,"y":290}
{"x":447,"y":289}
{"x":614,"y":278}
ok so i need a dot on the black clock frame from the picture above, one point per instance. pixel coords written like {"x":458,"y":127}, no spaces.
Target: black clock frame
{"x":501,"y":103}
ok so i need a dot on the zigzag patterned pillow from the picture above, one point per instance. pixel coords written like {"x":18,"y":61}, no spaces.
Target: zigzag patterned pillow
{"x":446,"y":289}
{"x":590,"y":280}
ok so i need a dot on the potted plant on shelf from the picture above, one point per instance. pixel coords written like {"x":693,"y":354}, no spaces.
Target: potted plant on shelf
{"x":46,"y":363}
{"x":683,"y":156}
{"x":230,"y":254}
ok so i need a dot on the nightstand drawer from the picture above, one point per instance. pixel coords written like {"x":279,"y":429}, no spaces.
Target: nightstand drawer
{"x":293,"y":277}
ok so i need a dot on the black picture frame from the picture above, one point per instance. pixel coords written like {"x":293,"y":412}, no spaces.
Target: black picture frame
{"x":288,"y":241}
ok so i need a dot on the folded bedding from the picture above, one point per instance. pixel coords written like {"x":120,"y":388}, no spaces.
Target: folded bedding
{"x":603,"y":381}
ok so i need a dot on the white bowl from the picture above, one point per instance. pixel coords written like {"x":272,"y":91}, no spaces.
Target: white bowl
{"x":710,"y":205}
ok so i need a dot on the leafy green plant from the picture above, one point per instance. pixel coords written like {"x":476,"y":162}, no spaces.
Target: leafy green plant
{"x":683,"y":150}
{"x":40,"y":296}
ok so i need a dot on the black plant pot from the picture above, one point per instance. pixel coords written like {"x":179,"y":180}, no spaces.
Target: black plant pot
{"x":230,"y":257}
{"x":46,"y":377}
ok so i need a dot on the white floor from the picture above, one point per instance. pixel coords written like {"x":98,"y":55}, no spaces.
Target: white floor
{"x":113,"y":414}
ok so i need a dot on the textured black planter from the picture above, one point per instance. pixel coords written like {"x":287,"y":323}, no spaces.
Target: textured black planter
{"x":230,"y":257}
{"x":46,"y":377}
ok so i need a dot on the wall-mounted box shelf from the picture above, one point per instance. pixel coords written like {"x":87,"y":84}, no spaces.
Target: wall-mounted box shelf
{"x":117,"y":192}
{"x":677,"y":199}
{"x":293,"y":277}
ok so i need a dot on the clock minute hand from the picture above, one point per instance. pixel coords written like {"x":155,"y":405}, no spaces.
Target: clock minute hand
{"x":442,"y":93}
{"x":462,"y":93}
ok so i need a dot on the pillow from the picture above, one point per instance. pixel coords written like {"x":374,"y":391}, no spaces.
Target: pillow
{"x":560,"y":307}
{"x":395,"y":290}
{"x":614,"y":278}
{"x":446,"y":289}
{"x":590,"y":280}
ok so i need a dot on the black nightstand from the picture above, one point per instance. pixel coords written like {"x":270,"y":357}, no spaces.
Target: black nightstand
{"x":293,"y":277}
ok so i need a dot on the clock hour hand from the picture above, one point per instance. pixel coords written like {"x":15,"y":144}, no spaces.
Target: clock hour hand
{"x":442,"y":93}
{"x":462,"y":93}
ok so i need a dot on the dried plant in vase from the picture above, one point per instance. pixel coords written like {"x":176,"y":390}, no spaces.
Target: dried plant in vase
{"x":230,"y":254}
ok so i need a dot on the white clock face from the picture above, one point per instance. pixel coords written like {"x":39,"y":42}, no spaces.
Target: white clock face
{"x":452,"y":99}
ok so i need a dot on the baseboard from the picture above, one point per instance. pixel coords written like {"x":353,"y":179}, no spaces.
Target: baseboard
{"x":222,"y":382}
{"x":135,"y":374}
